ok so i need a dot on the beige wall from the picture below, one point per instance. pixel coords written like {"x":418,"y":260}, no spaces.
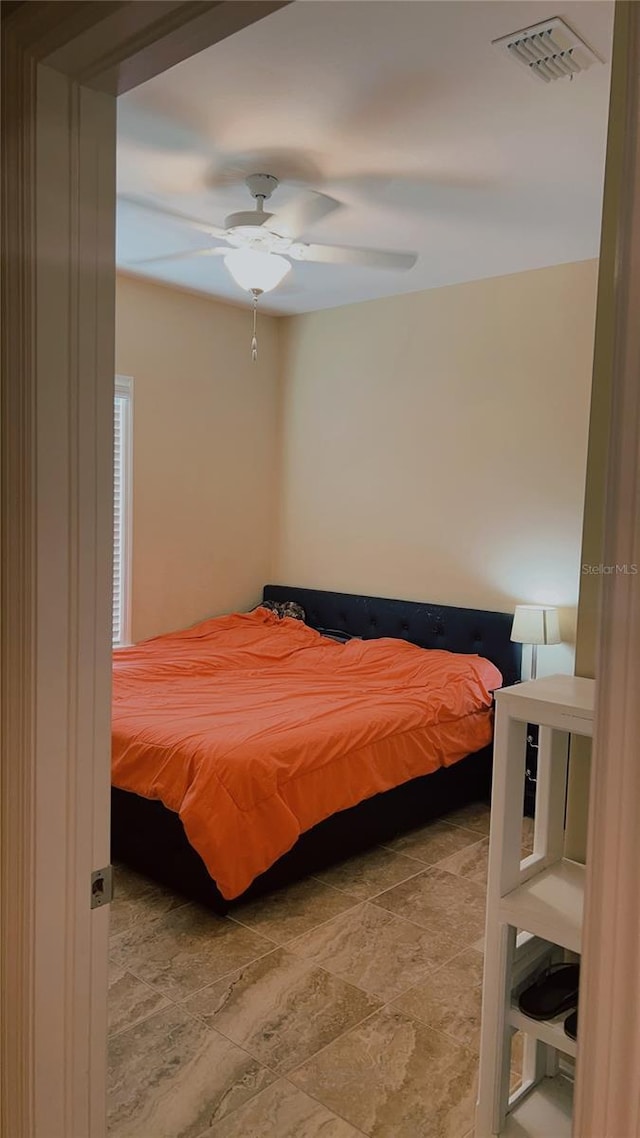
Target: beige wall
{"x":431,"y":446}
{"x":434,"y":445}
{"x":205,"y":453}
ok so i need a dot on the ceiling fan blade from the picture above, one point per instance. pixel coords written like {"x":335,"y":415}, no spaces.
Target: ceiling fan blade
{"x":346,"y":255}
{"x":219,"y":251}
{"x":303,"y":212}
{"x":194,"y":222}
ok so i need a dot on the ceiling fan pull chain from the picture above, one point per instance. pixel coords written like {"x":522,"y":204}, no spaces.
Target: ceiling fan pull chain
{"x":254,"y":338}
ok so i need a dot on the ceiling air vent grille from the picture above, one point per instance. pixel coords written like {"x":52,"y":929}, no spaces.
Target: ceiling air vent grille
{"x":550,"y":50}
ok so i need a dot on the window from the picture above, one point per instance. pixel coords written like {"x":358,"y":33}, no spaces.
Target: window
{"x":122,"y":510}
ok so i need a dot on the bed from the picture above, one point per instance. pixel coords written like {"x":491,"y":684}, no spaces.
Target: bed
{"x":153,"y":838}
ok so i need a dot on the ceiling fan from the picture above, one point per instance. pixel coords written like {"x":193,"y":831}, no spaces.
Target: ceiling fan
{"x":273,"y":236}
{"x":262,"y":244}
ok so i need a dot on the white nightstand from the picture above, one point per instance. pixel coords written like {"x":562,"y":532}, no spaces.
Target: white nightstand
{"x":534,"y":908}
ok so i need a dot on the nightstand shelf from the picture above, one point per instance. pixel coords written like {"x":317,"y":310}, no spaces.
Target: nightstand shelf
{"x":545,"y":1112}
{"x":549,"y":1031}
{"x":534,"y":909}
{"x":549,"y":904}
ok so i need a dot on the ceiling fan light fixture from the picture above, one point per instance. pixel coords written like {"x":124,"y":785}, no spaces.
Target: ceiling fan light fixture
{"x":256,"y":272}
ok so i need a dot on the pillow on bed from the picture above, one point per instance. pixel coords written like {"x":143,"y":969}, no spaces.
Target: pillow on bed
{"x":285,"y":608}
{"x":337,"y":634}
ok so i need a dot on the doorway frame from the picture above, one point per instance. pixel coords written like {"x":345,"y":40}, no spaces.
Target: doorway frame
{"x":61,"y":74}
{"x":63,"y":66}
{"x":607,"y":1099}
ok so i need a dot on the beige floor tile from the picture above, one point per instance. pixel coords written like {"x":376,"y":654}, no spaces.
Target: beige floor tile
{"x":393,"y":1077}
{"x":282,"y":1111}
{"x":475,"y":816}
{"x":186,"y":950}
{"x":294,"y":910}
{"x":281,"y":1008}
{"x":528,"y":825}
{"x":370,"y":873}
{"x":441,"y":902}
{"x":405,"y":1071}
{"x":375,"y":950}
{"x":172,"y":1077}
{"x":450,"y":999}
{"x":471,"y":862}
{"x":130,"y":1000}
{"x":515,"y":1082}
{"x":130,"y":885}
{"x":517,"y":1052}
{"x":433,"y":842}
{"x":137,"y":900}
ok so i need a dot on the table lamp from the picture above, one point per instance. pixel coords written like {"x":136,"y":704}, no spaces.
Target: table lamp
{"x":535,"y":624}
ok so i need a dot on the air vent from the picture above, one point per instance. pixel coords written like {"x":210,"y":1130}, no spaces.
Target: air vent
{"x":550,"y":50}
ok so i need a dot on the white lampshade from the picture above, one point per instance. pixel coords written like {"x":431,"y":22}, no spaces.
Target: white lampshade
{"x":251,"y":269}
{"x":535,"y":624}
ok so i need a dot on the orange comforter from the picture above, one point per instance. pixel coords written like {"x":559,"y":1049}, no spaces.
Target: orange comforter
{"x":255,"y":728}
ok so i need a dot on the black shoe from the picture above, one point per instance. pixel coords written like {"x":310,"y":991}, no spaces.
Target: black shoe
{"x":571,"y":1025}
{"x":554,"y":992}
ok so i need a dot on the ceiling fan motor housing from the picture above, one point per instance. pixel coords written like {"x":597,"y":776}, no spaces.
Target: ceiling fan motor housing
{"x":261,"y":185}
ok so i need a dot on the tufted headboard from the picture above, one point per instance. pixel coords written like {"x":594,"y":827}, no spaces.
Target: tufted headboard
{"x":428,"y":626}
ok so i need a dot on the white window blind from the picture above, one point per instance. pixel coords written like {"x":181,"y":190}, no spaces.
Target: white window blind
{"x":122,"y":442}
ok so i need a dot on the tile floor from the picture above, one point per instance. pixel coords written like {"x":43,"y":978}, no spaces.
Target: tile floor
{"x":346,"y":1005}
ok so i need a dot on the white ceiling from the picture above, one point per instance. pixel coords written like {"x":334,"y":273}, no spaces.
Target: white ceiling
{"x":404,"y":111}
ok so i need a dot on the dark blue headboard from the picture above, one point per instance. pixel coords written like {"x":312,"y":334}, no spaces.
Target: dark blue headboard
{"x":428,"y":626}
